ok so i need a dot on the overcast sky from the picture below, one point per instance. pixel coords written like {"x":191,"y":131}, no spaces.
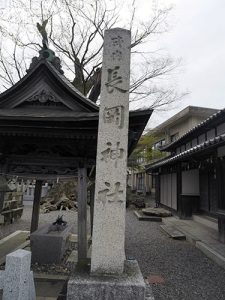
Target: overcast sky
{"x":197,"y":35}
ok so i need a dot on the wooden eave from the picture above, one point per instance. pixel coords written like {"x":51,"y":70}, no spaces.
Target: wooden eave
{"x":72,"y":125}
{"x":198,"y":152}
{"x":196,"y":131}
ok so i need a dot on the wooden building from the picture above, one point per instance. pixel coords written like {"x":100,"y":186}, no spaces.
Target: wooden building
{"x":191,"y":180}
{"x":49,"y":129}
{"x":165,"y":133}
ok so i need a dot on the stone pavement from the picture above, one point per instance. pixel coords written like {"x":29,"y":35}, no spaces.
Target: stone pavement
{"x":202,"y":236}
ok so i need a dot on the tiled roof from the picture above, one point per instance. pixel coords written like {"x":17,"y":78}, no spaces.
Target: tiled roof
{"x":197,"y":149}
{"x":206,"y":122}
{"x":71,"y":86}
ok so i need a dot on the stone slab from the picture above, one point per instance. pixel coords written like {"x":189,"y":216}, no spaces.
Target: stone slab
{"x":142,"y":217}
{"x":173,"y":232}
{"x":156,"y":211}
{"x":206,"y":221}
{"x":212,"y":254}
{"x":11,"y":242}
{"x":128,"y":286}
{"x":49,"y":247}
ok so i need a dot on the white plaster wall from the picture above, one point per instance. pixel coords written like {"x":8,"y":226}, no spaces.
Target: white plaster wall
{"x":168,"y":190}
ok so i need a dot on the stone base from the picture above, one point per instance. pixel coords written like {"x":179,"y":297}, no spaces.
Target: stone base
{"x":128,"y":286}
{"x":49,"y":247}
{"x":221,"y":227}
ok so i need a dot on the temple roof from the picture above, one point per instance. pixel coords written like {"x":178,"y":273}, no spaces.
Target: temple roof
{"x":44,"y":117}
{"x":44,"y":86}
{"x":197,"y":150}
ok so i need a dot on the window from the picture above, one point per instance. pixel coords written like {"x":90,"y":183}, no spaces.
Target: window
{"x":201,"y":138}
{"x":182,"y":149}
{"x":30,"y":191}
{"x":211,"y":134}
{"x":188,"y":145}
{"x":159,"y":144}
{"x":194,"y":142}
{"x":221,"y":129}
{"x":140,"y":181}
{"x":174,"y":137}
{"x":153,"y":181}
{"x":178,"y":150}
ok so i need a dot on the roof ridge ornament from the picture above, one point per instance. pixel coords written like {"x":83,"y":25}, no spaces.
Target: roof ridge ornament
{"x":45,"y":53}
{"x":43,"y":32}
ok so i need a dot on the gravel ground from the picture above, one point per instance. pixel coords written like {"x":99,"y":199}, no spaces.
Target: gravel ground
{"x":188,"y":273}
{"x":25,"y":221}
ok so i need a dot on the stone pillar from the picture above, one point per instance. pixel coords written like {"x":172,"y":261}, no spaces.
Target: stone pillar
{"x":18,"y":282}
{"x":36,"y":206}
{"x":108,"y":253}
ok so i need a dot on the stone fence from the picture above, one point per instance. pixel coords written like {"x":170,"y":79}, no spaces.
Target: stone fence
{"x":17,"y":281}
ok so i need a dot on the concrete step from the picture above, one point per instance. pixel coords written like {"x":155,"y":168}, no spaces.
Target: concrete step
{"x":211,"y":253}
{"x":13,"y":242}
{"x":173,"y":232}
{"x":206,"y":221}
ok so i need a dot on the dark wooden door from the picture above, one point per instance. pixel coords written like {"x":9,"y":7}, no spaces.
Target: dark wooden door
{"x":212,"y":192}
{"x":204,"y":190}
{"x":220,"y":178}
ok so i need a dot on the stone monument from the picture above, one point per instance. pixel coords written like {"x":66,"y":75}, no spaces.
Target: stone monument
{"x":112,"y":277}
{"x":111,"y":170}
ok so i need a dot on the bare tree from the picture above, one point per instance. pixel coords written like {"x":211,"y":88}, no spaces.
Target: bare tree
{"x":75,"y":32}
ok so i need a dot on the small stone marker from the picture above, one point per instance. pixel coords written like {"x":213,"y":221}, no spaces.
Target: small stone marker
{"x":108,"y":252}
{"x":17,"y":280}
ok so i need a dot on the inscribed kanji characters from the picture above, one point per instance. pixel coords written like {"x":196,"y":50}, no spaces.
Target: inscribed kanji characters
{"x":114,"y":115}
{"x":110,"y":194}
{"x":114,"y":81}
{"x":112,"y":153}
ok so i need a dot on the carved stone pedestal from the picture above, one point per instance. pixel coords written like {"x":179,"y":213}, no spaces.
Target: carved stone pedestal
{"x":128,"y":286}
{"x":48,"y":247}
{"x":221,"y":226}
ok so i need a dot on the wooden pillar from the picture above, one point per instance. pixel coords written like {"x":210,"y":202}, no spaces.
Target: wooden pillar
{"x":1,"y":200}
{"x":157,"y":189}
{"x":220,"y":178}
{"x":36,"y":206}
{"x":179,"y":189}
{"x":92,"y":199}
{"x":82,"y":214}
